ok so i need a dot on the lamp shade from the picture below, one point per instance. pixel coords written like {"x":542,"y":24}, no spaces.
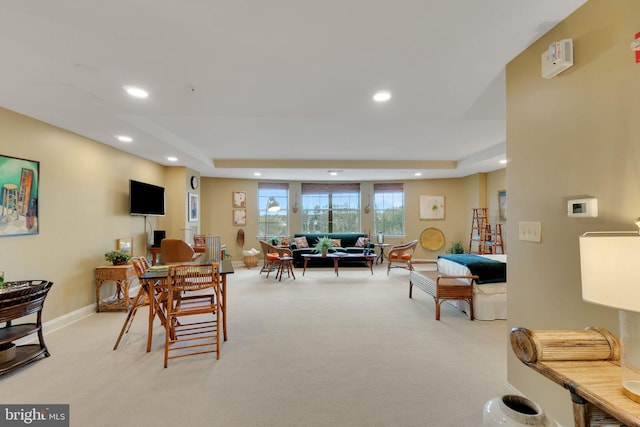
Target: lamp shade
{"x":273,"y":205}
{"x":610,"y":269}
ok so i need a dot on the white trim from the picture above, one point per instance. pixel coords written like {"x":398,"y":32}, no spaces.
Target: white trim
{"x":59,"y":323}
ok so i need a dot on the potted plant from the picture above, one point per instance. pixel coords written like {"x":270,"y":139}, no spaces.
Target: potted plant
{"x":323,"y":245}
{"x":456,"y":248}
{"x":117,"y":257}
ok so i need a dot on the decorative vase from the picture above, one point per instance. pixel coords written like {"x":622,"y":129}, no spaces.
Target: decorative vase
{"x":512,"y":410}
{"x":119,"y":262}
{"x":324,"y":252}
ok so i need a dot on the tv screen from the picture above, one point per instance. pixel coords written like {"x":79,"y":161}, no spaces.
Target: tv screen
{"x":145,"y":199}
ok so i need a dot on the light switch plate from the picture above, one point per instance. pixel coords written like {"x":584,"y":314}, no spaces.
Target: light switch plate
{"x":530,"y":231}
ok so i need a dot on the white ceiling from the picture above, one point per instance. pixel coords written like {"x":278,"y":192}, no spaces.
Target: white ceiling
{"x":282,"y":86}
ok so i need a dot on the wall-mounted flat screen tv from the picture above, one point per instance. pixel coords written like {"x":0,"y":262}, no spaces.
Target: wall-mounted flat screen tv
{"x":146,"y":199}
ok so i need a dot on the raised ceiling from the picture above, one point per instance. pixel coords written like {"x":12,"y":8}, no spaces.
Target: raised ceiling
{"x":283,"y":87}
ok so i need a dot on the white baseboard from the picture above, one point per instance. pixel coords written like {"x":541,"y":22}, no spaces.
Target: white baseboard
{"x":60,"y":322}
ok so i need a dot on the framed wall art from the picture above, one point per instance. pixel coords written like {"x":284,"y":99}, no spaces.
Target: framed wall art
{"x":19,"y":185}
{"x":194,"y":207}
{"x":125,"y":245}
{"x":240,"y":199}
{"x":239,"y":217}
{"x":502,"y":205}
{"x":431,"y":207}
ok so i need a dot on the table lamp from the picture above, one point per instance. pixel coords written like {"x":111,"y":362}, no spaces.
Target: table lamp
{"x":610,"y":268}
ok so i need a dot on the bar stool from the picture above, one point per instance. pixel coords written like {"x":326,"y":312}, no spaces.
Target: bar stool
{"x":9,"y":202}
{"x":286,"y":263}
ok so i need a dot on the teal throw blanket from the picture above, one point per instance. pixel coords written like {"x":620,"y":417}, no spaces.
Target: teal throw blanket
{"x":487,"y":270}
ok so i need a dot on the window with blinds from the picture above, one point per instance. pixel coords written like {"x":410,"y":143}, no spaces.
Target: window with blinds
{"x":273,"y":223}
{"x":330,"y":208}
{"x":388,"y":209}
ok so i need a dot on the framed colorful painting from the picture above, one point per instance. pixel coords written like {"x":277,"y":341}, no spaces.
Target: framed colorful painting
{"x":502,"y":205}
{"x":19,"y":184}
{"x":194,"y":207}
{"x":239,"y":217}
{"x":239,"y":199}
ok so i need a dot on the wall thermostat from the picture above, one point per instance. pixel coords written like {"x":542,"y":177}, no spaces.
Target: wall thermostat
{"x":583,"y":208}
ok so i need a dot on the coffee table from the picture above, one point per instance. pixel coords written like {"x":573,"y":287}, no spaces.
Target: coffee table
{"x":336,"y":257}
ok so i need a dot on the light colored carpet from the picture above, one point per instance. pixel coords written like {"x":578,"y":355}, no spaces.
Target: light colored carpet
{"x":321,"y":350}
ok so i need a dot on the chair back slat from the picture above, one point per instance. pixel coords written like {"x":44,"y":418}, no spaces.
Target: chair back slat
{"x":184,"y":337}
{"x":194,"y":277}
{"x":138,"y":266}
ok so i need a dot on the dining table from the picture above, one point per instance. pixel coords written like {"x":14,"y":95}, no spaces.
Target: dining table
{"x":157,"y":276}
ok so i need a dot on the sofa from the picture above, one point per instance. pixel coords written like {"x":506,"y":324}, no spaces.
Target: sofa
{"x":348,"y":242}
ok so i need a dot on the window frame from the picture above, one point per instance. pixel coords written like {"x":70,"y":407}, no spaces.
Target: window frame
{"x":349,"y":214}
{"x":273,"y":224}
{"x":381,"y":213}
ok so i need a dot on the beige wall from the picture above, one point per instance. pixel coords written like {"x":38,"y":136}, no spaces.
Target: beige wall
{"x":216,"y":214}
{"x":496,"y":181}
{"x":83,"y":209}
{"x":576,"y":134}
{"x":454,"y":226}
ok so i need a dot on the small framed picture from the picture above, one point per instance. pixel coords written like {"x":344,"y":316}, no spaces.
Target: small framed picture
{"x":431,"y":207}
{"x":239,"y":199}
{"x":239,"y":217}
{"x":194,"y":207}
{"x":502,"y":205}
{"x":125,"y":245}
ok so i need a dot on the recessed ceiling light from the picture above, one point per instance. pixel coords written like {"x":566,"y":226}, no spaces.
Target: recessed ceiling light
{"x":136,"y":92}
{"x":503,"y":161}
{"x":172,"y":159}
{"x":417,"y":174}
{"x":257,"y":173}
{"x":382,"y":96}
{"x":124,"y":138}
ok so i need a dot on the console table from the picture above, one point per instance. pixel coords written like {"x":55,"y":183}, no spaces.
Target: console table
{"x":17,"y":300}
{"x":585,"y":362}
{"x":123,"y":276}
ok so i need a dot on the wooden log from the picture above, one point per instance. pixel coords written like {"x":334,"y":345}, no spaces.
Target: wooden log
{"x":533,"y":346}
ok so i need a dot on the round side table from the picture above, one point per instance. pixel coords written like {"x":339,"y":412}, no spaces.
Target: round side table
{"x":382,"y":246}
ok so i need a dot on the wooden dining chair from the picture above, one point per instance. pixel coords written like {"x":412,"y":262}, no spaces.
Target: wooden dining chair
{"x":193,"y":311}
{"x":176,"y":251}
{"x":138,"y":301}
{"x":401,"y":255}
{"x":199,"y":240}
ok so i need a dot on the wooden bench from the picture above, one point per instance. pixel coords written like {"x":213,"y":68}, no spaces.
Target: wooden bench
{"x":442,"y":287}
